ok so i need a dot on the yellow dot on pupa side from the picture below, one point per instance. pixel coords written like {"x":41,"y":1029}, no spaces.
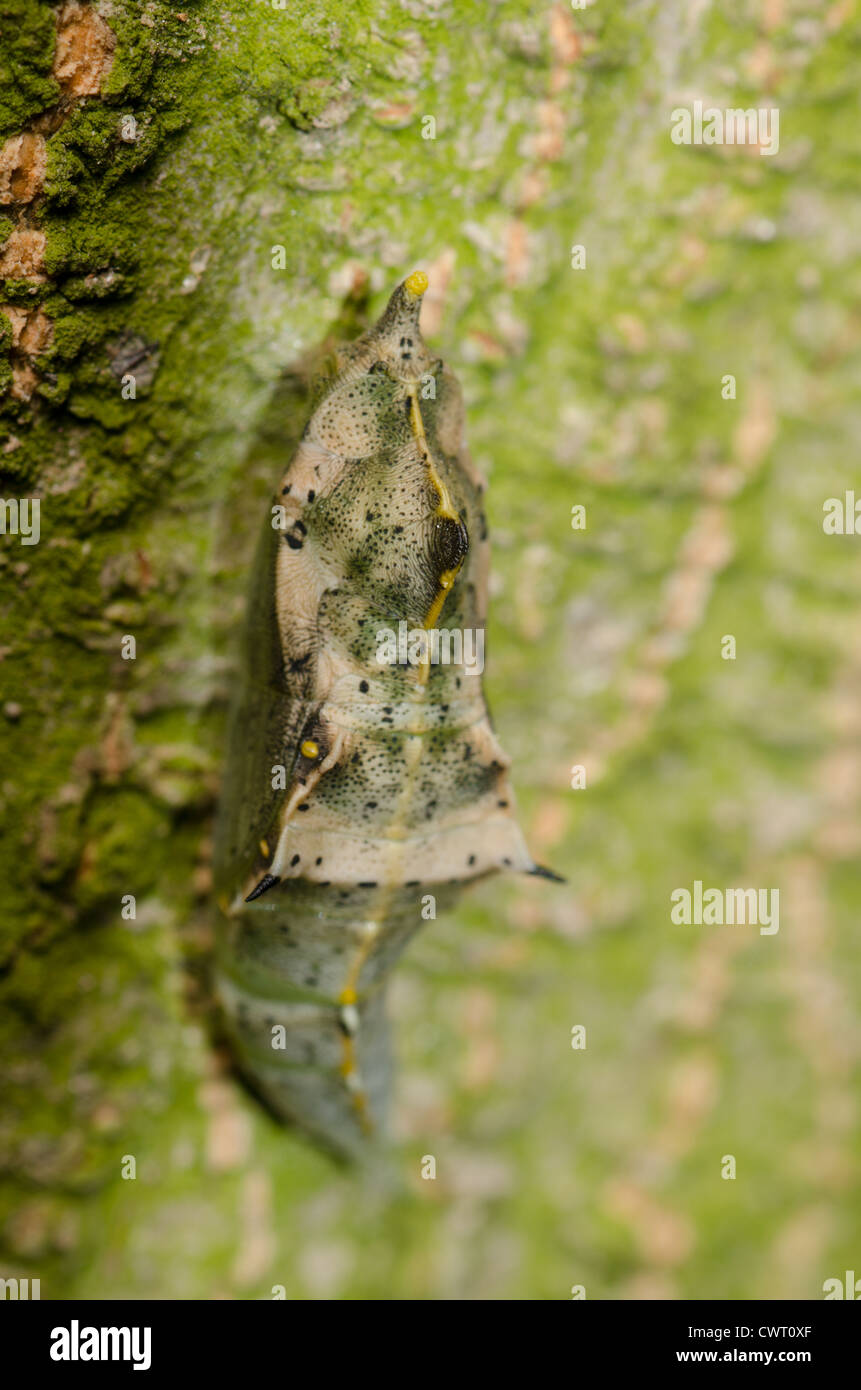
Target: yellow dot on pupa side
{"x":264,"y":849}
{"x":310,"y":749}
{"x":416,"y":283}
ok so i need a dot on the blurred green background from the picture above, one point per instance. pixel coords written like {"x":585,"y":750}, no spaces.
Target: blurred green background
{"x":599,"y":386}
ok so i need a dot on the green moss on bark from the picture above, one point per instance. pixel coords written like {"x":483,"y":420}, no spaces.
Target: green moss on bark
{"x":27,"y":33}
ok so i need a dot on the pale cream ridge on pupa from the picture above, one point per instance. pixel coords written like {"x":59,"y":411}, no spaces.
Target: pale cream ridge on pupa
{"x":356,"y":788}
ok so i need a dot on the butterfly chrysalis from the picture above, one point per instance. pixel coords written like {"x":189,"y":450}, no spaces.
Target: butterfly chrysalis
{"x":364,"y":777}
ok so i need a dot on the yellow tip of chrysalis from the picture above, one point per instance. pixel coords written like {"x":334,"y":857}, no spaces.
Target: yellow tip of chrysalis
{"x":416,"y":283}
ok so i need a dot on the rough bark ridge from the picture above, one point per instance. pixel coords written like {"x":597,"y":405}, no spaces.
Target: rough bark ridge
{"x":188,"y":197}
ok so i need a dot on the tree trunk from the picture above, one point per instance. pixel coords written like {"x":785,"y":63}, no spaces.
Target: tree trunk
{"x":190,"y":200}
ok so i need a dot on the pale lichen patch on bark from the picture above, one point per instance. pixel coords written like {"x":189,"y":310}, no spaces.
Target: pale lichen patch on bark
{"x":24,"y":381}
{"x":85,"y":50}
{"x":32,"y":332}
{"x":83,"y":57}
{"x":546,"y":145}
{"x":22,"y":168}
{"x":23,"y":256}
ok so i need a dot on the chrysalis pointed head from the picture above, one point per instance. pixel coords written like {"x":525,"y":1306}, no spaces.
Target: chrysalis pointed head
{"x":396,"y":334}
{"x":416,"y":284}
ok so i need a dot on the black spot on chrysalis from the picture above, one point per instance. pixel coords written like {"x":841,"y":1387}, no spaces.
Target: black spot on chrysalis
{"x":449,"y":543}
